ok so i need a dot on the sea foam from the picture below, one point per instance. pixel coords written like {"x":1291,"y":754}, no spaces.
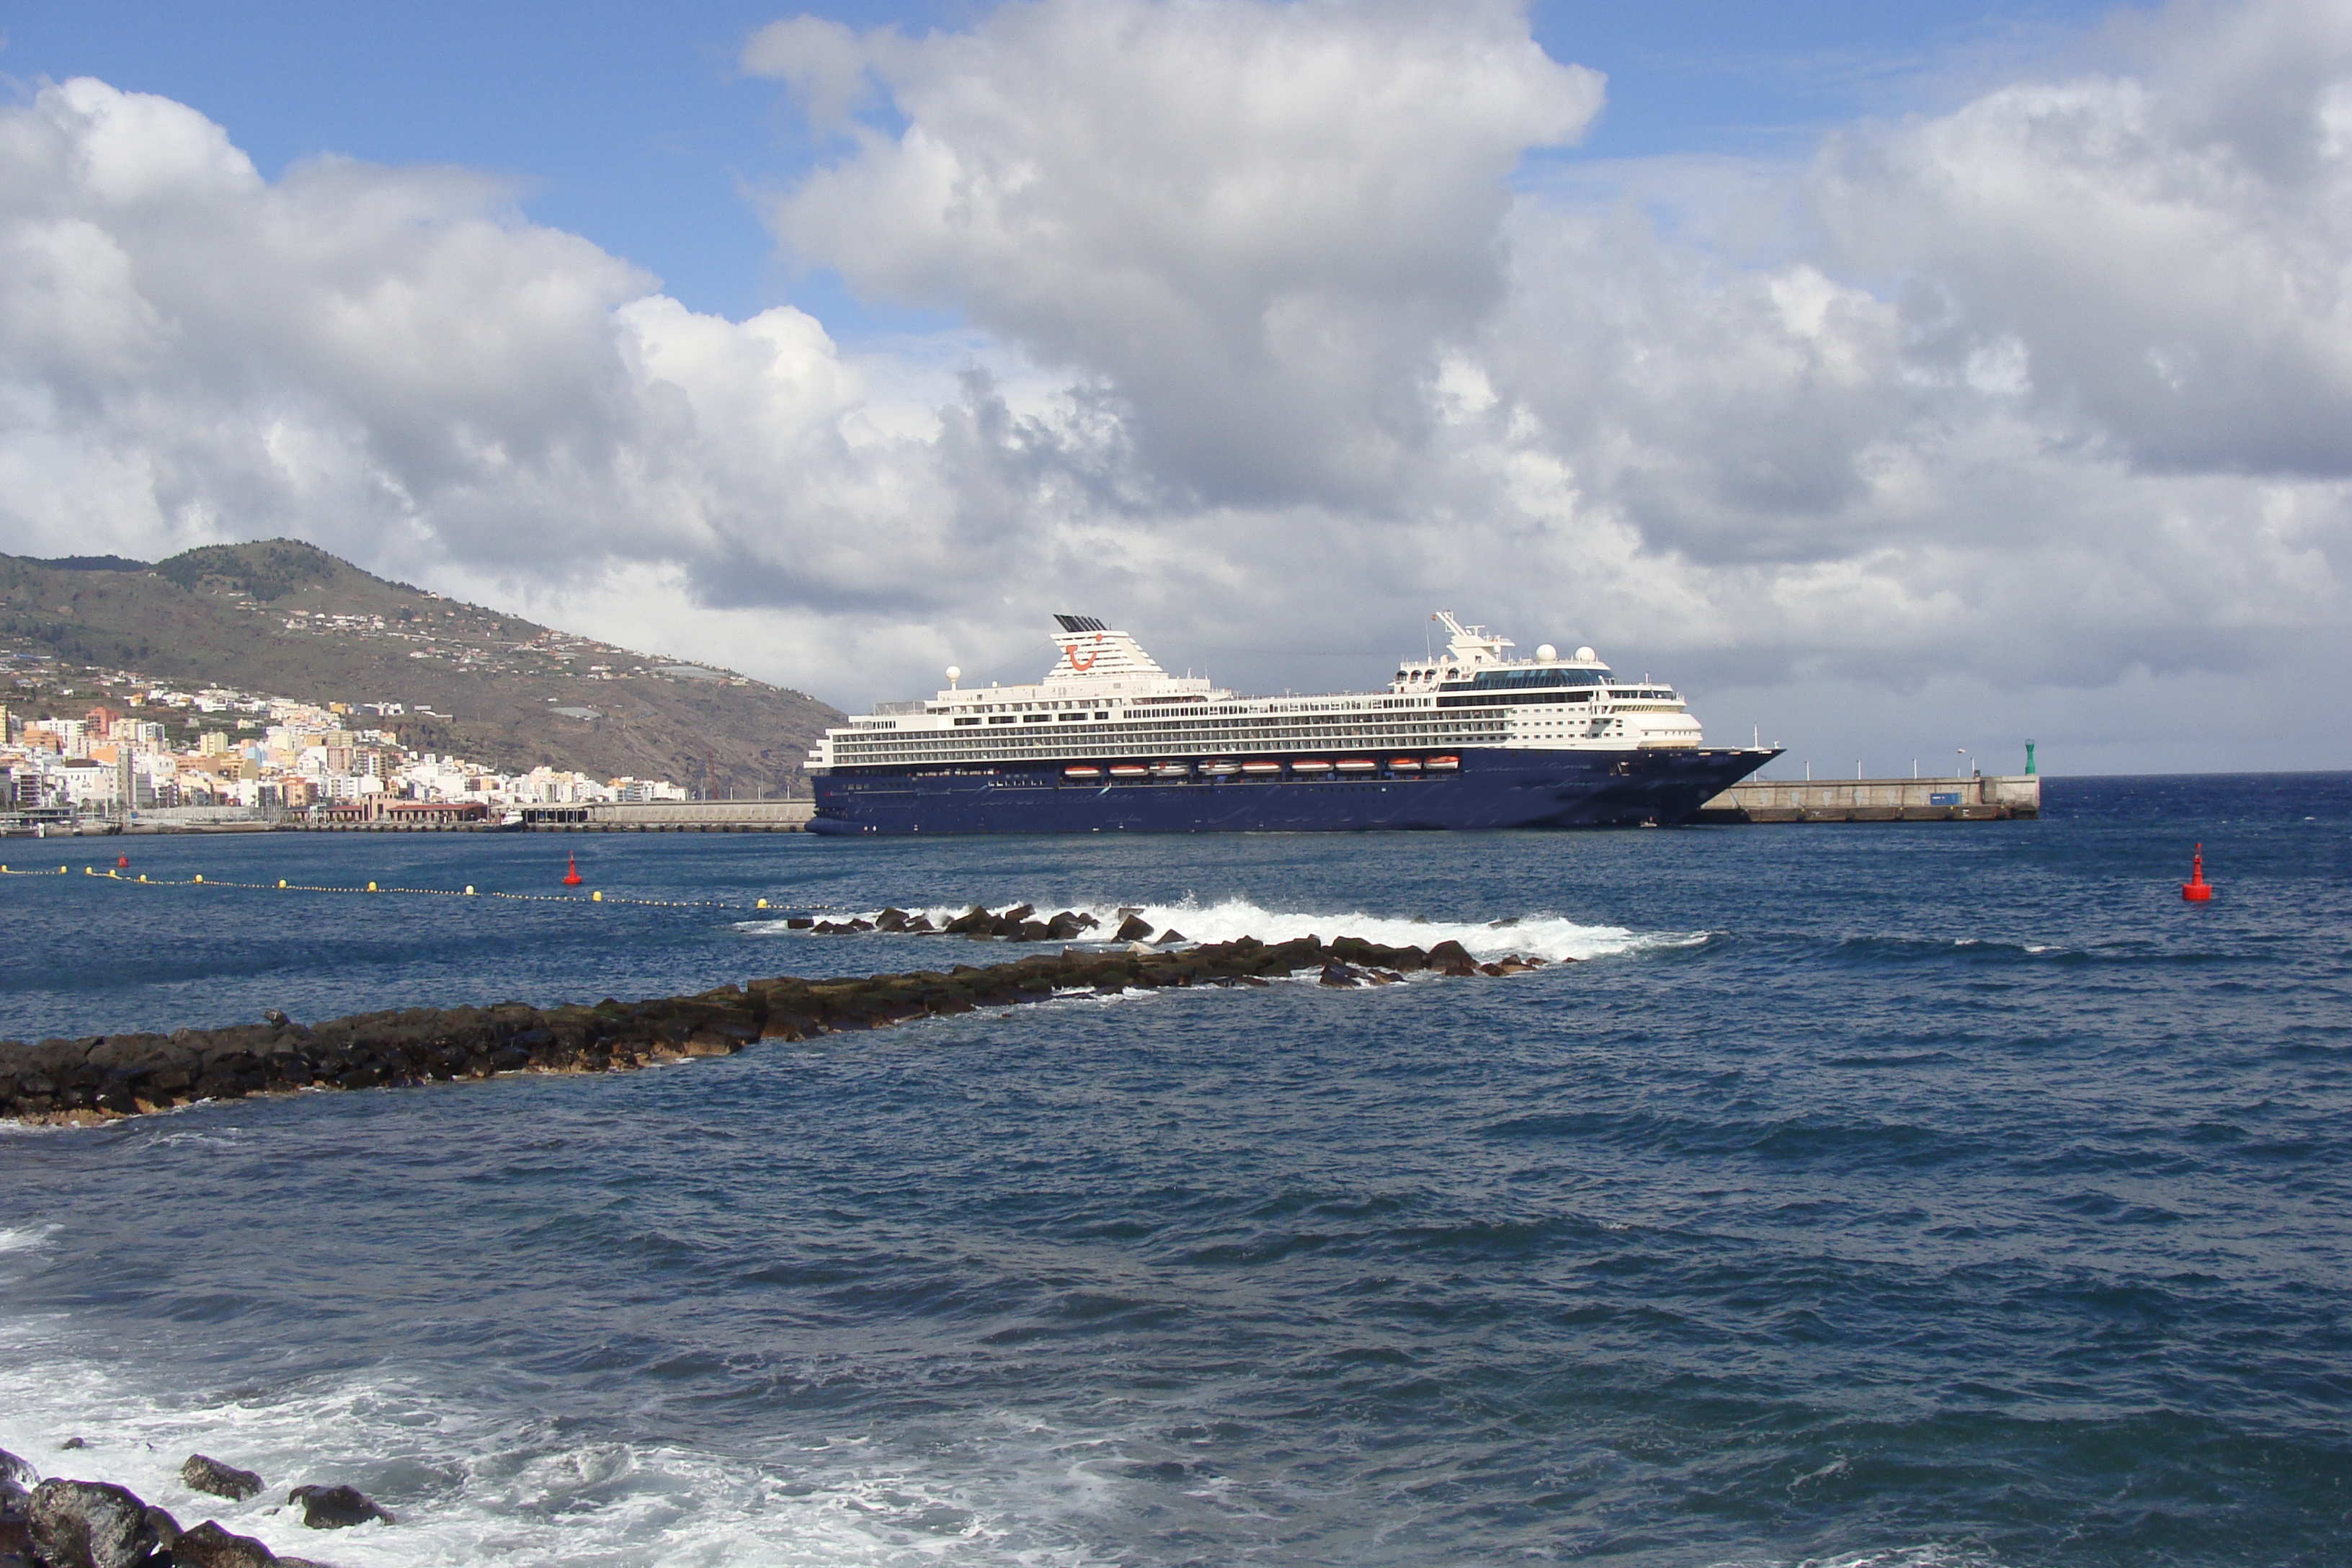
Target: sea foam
{"x":1539,"y":935}
{"x":466,"y":1487}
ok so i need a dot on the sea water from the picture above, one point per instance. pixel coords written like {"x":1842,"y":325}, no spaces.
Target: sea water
{"x":1891,"y":1196}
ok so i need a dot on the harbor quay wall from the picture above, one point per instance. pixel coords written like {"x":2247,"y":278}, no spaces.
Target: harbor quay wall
{"x":642,"y":817}
{"x":1982,"y":797}
{"x":1979,"y":797}
{"x":676,"y":817}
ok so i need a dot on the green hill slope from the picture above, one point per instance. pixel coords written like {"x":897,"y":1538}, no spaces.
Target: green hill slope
{"x":287,"y":619}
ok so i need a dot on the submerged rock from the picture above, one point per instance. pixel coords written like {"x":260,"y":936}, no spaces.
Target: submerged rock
{"x":16,"y":1540}
{"x":210,"y":1546}
{"x":166,"y":1529}
{"x":1451,"y":958}
{"x":337,"y":1507}
{"x":90,"y":1524}
{"x":204,"y":1474}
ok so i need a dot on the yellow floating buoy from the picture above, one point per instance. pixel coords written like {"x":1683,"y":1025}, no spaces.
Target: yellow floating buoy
{"x":469,"y":889}
{"x":142,"y":876}
{"x":371,"y":886}
{"x":199,"y":875}
{"x":281,"y":881}
{"x":597,"y":898}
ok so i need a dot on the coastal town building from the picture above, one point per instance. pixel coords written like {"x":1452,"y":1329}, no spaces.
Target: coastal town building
{"x":165,"y":749}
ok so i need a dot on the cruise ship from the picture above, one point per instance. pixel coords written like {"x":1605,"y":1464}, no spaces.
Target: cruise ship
{"x":1107,"y":742}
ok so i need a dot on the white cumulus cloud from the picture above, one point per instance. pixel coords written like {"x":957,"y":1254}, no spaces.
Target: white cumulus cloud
{"x":1277,"y":325}
{"x":1257,"y":224}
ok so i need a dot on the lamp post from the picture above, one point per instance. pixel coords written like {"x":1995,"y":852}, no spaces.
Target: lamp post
{"x":1963,"y":752}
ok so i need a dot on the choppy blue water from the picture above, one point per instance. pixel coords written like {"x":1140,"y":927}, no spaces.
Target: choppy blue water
{"x":1898,"y":1195}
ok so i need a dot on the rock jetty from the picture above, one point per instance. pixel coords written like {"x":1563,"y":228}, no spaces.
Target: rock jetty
{"x":100,"y":1078}
{"x":62,"y":1523}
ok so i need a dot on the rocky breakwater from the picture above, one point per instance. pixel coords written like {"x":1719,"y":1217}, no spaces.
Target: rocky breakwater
{"x":63,"y":1523}
{"x":100,"y":1078}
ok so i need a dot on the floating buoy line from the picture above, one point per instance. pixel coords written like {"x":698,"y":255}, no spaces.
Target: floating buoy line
{"x":571,"y":877}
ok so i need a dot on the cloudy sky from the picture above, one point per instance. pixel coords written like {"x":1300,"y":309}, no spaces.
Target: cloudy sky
{"x":1894,"y":379}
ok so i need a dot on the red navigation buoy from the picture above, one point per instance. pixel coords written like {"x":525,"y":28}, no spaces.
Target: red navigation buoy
{"x":122,"y":862}
{"x":2197,"y":889}
{"x":572,"y":876}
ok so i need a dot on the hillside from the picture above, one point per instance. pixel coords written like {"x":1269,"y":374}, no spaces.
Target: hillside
{"x":287,"y":619}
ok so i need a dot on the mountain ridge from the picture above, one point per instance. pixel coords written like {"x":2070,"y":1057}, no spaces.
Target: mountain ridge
{"x":285,"y":618}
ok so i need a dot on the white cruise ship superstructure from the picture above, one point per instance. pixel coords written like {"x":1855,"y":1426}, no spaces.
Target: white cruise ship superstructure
{"x":1108,"y":740}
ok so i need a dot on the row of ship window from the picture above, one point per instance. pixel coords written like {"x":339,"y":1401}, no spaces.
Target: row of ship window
{"x":1201,"y":742}
{"x":1509,"y":700}
{"x":1207,"y":737}
{"x":1205,"y":733}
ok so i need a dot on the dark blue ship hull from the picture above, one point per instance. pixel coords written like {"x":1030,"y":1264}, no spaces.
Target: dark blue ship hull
{"x":1493,"y":788}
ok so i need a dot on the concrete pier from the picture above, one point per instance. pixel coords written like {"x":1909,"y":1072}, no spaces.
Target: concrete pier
{"x":673,"y":816}
{"x":1979,"y":797}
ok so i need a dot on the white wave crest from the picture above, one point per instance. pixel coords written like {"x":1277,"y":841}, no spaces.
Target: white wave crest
{"x":1546,"y":936}
{"x":469,"y":1486}
{"x":25,"y":1239}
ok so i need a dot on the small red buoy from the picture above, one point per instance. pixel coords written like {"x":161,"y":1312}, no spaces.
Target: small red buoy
{"x":2197,"y":889}
{"x":122,"y":862}
{"x":572,"y":876}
